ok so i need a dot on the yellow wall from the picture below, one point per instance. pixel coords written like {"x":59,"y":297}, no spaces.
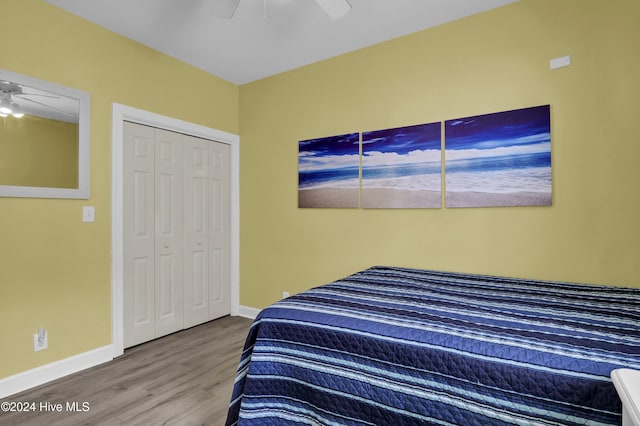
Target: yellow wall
{"x":495,"y":61}
{"x":54,"y":269}
{"x":36,"y":151}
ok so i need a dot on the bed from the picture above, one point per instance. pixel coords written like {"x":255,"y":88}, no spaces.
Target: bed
{"x":400,"y":346}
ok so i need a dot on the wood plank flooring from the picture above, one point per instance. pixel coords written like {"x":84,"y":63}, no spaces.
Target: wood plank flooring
{"x":182,"y":379}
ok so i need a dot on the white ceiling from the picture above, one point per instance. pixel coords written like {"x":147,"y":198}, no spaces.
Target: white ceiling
{"x":266,"y":37}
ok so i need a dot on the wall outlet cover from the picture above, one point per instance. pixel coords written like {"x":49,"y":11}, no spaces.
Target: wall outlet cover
{"x":40,"y":342}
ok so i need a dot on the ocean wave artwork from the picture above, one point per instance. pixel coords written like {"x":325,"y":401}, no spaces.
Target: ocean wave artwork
{"x":402,"y":167}
{"x":329,"y":172}
{"x":500,"y":159}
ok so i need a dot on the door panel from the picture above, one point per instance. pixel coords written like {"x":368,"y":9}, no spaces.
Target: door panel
{"x":196,"y":273}
{"x":143,"y":312}
{"x":139,"y":275}
{"x":169,"y":232}
{"x":219,"y":257}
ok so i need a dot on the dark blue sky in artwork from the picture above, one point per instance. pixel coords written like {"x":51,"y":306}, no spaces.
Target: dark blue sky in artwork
{"x":402,"y":140}
{"x":348,"y":144}
{"x":502,"y":129}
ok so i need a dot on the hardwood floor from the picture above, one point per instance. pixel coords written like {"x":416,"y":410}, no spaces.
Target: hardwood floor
{"x":182,"y":379}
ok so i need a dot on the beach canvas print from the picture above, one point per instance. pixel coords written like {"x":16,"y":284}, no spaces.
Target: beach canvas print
{"x":499,"y":159}
{"x":329,"y":172}
{"x":402,"y":167}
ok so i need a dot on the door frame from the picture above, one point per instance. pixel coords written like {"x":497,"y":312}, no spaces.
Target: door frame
{"x":120,"y":114}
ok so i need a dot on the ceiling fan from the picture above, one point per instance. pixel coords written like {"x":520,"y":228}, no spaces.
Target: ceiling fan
{"x":16,"y":100}
{"x":336,"y":9}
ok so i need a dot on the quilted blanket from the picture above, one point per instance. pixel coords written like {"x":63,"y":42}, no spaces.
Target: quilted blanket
{"x":398,"y":346}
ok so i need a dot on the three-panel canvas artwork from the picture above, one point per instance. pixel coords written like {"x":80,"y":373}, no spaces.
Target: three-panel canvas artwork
{"x":491,"y":160}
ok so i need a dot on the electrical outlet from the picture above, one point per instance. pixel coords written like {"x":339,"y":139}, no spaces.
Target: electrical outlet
{"x":40,"y":340}
{"x":285,"y":294}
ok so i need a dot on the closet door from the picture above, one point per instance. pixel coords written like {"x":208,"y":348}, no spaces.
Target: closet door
{"x":176,"y":226}
{"x":139,"y":234}
{"x":206,"y":231}
{"x":219,"y":230}
{"x":196,"y":231}
{"x":169,"y":238}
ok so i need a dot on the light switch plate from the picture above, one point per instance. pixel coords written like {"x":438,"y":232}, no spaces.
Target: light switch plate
{"x":88,"y":214}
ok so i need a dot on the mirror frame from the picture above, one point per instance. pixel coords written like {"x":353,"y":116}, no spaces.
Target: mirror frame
{"x":82,"y":192}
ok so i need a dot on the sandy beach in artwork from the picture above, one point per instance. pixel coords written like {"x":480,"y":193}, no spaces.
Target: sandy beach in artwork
{"x":372,"y":198}
{"x":486,"y":199}
{"x":328,"y":197}
{"x":382,"y":198}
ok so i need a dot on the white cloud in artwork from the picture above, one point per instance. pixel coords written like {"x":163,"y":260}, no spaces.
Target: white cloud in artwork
{"x":310,"y":162}
{"x":503,"y":151}
{"x":418,"y":156}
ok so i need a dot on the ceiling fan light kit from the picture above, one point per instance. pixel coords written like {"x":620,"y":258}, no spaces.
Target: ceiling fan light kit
{"x":7,"y":105}
{"x":16,"y":111}
{"x":336,"y":9}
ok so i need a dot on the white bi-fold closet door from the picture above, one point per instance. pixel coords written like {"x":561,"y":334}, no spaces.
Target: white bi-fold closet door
{"x":176,"y":232}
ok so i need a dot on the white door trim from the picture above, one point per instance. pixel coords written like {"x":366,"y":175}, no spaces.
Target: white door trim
{"x":123,"y":113}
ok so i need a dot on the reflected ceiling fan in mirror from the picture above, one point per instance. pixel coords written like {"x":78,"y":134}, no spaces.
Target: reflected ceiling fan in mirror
{"x":336,"y":9}
{"x":17,"y":100}
{"x":8,"y":106}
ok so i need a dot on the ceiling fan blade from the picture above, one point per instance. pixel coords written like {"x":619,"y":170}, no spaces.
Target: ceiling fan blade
{"x":49,"y":106}
{"x":224,"y":8}
{"x":36,"y":94}
{"x":336,"y":9}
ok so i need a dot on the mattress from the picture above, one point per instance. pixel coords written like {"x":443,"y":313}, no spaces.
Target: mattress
{"x":400,"y":346}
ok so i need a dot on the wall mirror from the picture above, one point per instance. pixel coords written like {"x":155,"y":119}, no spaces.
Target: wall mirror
{"x":44,"y":139}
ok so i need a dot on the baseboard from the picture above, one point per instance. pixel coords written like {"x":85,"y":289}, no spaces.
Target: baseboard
{"x":40,"y":375}
{"x":56,"y":370}
{"x":248,"y":312}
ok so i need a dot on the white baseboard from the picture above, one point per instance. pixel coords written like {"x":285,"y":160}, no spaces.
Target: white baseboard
{"x":56,"y":370}
{"x":248,"y":312}
{"x":40,"y":375}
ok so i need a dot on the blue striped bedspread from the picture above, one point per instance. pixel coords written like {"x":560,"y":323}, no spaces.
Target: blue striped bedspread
{"x":399,"y":346}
